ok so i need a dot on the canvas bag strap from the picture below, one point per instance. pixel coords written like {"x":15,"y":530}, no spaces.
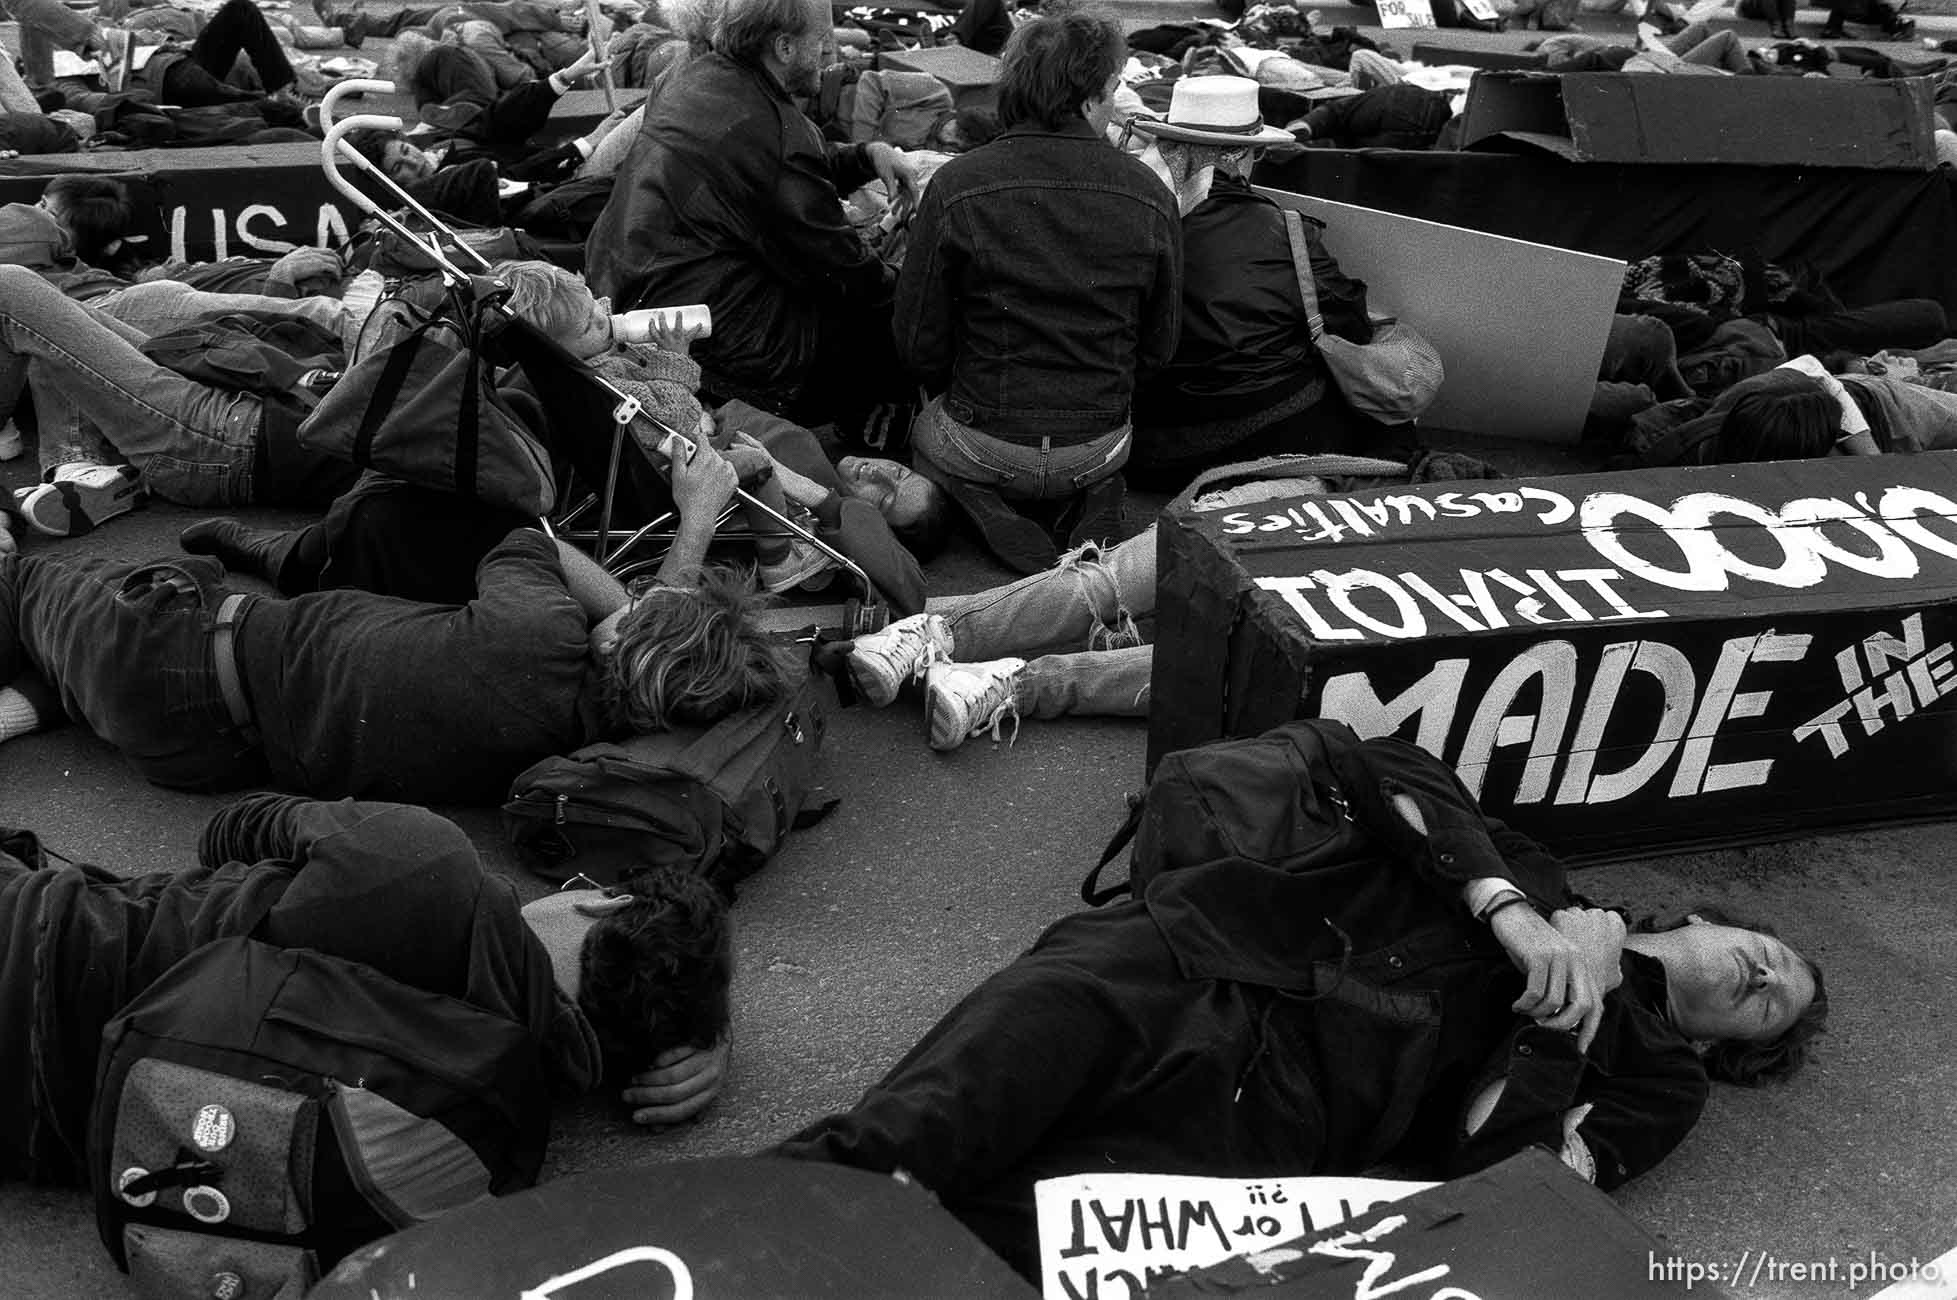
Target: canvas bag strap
{"x":1294,"y":227}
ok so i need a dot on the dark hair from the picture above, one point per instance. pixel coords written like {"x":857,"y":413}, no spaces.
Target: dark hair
{"x":976,"y":126}
{"x":1053,"y":65}
{"x":1749,"y":1062}
{"x":745,"y":27}
{"x":371,"y":143}
{"x":1790,"y":416}
{"x":654,"y":974}
{"x":97,"y":211}
{"x":687,"y":656}
{"x":929,"y":533}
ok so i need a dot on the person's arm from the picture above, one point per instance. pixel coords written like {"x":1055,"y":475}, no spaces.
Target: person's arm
{"x":800,"y":231}
{"x":282,"y":827}
{"x":921,"y":323}
{"x":597,"y":592}
{"x":1161,"y":317}
{"x":703,"y":483}
{"x":1608,"y":1125}
{"x":524,"y":109}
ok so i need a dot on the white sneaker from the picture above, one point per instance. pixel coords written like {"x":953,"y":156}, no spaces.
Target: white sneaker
{"x":882,"y":662}
{"x":963,"y":700}
{"x":78,"y":496}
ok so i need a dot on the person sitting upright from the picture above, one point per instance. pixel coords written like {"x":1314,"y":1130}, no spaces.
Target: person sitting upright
{"x":731,"y":197}
{"x":1044,"y":270}
{"x":1246,"y":379}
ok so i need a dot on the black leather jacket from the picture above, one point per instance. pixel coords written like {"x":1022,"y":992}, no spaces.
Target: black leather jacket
{"x":731,"y":197}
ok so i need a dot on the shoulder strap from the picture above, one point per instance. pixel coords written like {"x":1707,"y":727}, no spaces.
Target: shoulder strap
{"x":1090,"y":891}
{"x":1294,"y":227}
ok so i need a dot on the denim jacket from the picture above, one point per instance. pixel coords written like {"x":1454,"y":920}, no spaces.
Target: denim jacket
{"x":1045,"y":269}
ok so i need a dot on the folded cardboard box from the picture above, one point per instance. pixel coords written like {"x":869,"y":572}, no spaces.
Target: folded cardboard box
{"x":1649,"y":117}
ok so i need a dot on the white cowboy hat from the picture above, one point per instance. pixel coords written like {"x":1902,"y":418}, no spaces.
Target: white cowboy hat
{"x":1220,"y":111}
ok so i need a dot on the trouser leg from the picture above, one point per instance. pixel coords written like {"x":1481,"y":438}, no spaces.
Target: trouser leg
{"x":194,"y":444}
{"x":1092,"y":683}
{"x":239,"y":28}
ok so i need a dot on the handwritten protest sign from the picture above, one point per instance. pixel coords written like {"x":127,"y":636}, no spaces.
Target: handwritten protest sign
{"x":1611,"y":662}
{"x":1406,"y":13}
{"x":1102,"y":1236}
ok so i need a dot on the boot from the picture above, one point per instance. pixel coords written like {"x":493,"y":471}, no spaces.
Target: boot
{"x":257,"y":552}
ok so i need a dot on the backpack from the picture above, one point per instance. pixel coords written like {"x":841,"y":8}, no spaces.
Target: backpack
{"x":1272,"y":799}
{"x":250,"y":352}
{"x":717,"y":801}
{"x":261,"y":1111}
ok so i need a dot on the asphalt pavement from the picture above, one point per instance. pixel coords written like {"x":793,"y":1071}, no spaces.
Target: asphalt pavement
{"x":938,"y":869}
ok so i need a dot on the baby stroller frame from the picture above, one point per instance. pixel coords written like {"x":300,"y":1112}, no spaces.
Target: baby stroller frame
{"x":535,"y":353}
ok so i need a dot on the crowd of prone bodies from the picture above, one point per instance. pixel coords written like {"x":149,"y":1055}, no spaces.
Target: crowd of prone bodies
{"x":1076,"y":312}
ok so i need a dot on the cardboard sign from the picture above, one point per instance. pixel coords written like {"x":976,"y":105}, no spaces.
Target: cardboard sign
{"x":1406,"y":13}
{"x":722,"y":1229}
{"x":1613,"y":663}
{"x":1107,"y":1235}
{"x":1520,"y":327}
{"x":1525,"y":1227}
{"x":1483,"y":9}
{"x":226,"y":201}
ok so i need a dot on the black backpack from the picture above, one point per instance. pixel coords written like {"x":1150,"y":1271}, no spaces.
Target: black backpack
{"x":262,"y":1111}
{"x":1272,"y":799}
{"x":717,"y":801}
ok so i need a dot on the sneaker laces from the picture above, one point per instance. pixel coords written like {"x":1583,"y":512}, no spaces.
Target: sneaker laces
{"x":915,"y":640}
{"x":1005,"y":706}
{"x":998,"y":717}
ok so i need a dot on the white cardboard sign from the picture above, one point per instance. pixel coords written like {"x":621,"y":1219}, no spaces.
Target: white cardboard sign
{"x":1520,"y":327}
{"x":1406,"y":13}
{"x":1106,"y":1235}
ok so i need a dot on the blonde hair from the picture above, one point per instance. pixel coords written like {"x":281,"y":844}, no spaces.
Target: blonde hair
{"x":687,"y":656}
{"x":556,"y":302}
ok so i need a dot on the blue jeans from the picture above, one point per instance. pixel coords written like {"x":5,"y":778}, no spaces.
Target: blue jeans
{"x":1016,"y":471}
{"x":128,"y":649}
{"x":1074,"y":624}
{"x":194,"y":444}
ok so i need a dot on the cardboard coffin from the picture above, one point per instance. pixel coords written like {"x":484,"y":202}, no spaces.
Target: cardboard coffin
{"x":972,"y":78}
{"x":1647,"y":117}
{"x":1613,"y":663}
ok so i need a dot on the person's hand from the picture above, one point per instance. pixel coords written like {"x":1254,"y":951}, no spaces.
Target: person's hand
{"x":897,"y":172}
{"x":9,"y":153}
{"x":1561,"y":993}
{"x":668,"y":335}
{"x":1599,"y":936}
{"x":308,"y":271}
{"x":681,"y":1083}
{"x":586,"y":65}
{"x":749,"y":458}
{"x":703,"y":482}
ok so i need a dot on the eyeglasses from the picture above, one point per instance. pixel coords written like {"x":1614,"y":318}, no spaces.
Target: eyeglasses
{"x":582,"y":881}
